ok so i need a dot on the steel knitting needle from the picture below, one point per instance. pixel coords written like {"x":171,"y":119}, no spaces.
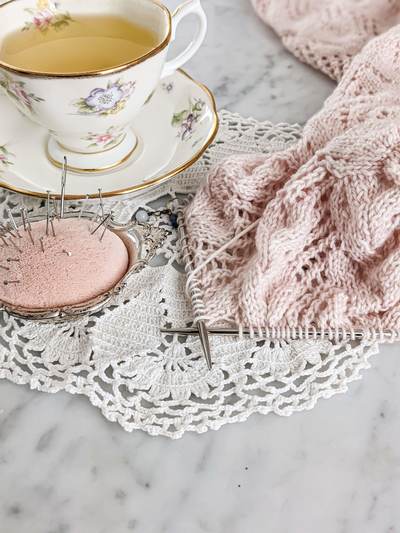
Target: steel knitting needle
{"x":205,"y":342}
{"x":201,"y":331}
{"x":14,"y":225}
{"x":63,"y":182}
{"x":293,"y":335}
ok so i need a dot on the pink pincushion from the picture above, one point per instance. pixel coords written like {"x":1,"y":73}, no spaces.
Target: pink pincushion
{"x":74,"y":268}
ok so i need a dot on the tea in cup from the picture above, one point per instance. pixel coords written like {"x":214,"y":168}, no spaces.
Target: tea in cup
{"x":84,"y":70}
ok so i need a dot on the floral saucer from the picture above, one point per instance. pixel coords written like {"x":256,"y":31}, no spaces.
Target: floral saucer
{"x":173,"y":129}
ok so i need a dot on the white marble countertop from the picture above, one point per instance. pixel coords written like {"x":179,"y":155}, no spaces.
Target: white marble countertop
{"x":335,"y":469}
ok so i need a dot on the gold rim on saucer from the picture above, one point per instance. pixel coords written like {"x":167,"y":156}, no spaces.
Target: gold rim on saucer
{"x":100,"y":72}
{"x":146,"y":184}
{"x":58,"y":164}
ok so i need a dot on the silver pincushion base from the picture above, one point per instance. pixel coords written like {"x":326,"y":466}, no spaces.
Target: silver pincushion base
{"x":142,"y":242}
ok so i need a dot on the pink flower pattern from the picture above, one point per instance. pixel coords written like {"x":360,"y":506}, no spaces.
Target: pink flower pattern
{"x":18,"y":92}
{"x":110,"y":138}
{"x":5,"y":158}
{"x":46,"y":15}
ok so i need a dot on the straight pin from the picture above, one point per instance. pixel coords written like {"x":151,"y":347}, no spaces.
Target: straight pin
{"x":14,"y":225}
{"x":41,"y":244}
{"x":9,"y":281}
{"x":27,"y":219}
{"x":4,"y":268}
{"x":101,"y":203}
{"x":15,"y":246}
{"x":22,"y":209}
{"x":84,"y":202}
{"x":48,"y":213}
{"x":30,"y":236}
{"x":3,"y":240}
{"x":6,"y":229}
{"x":10,"y":231}
{"x":10,"y":259}
{"x":97,"y":216}
{"x":52,"y":227}
{"x":105,"y":229}
{"x":94,"y":219}
{"x":63,"y":182}
{"x":101,"y":223}
{"x":55,"y":208}
{"x":28,"y":225}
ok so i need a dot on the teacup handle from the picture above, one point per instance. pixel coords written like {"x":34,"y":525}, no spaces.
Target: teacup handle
{"x":191,"y":7}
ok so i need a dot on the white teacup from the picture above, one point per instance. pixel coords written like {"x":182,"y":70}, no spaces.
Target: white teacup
{"x":81,"y":108}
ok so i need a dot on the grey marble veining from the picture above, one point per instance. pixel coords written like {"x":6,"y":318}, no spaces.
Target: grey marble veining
{"x":335,"y":469}
{"x":249,"y":70}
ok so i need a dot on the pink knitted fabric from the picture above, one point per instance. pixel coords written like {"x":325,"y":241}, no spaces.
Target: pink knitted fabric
{"x":325,"y":251}
{"x":326,"y":34}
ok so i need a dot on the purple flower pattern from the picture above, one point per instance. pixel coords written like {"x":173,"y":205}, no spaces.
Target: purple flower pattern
{"x":187,"y":119}
{"x":108,"y":101}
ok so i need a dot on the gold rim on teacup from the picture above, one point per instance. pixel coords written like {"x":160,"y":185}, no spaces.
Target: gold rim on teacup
{"x":100,"y":72}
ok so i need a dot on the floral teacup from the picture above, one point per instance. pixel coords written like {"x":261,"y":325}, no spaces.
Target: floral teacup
{"x":89,"y":114}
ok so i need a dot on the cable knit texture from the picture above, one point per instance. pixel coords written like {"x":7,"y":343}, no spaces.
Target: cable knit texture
{"x":327,"y":34}
{"x":326,"y":248}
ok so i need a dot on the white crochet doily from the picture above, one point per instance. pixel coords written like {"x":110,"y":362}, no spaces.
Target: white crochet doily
{"x":161,"y":384}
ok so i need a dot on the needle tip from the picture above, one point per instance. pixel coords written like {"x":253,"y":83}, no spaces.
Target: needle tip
{"x":205,"y":342}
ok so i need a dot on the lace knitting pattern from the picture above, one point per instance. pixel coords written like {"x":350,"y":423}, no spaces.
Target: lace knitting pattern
{"x":327,"y":34}
{"x":324,"y":215}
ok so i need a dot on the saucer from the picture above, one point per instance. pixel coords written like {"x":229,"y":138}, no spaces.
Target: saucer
{"x":173,"y":130}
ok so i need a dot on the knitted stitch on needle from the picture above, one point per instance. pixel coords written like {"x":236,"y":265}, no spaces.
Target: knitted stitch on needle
{"x":323,"y":247}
